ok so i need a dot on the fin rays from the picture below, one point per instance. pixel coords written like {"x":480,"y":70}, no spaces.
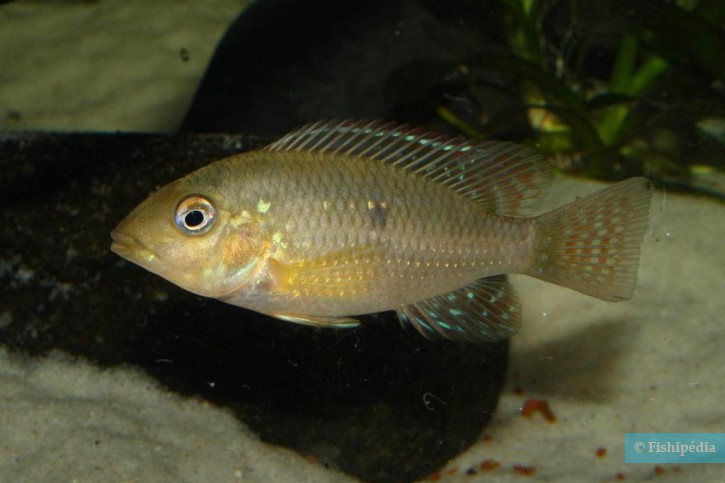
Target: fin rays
{"x":484,"y":311}
{"x":317,"y":321}
{"x":592,"y":245}
{"x":507,"y":179}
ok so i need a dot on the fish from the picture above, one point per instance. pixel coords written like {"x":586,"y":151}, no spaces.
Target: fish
{"x":339,"y":219}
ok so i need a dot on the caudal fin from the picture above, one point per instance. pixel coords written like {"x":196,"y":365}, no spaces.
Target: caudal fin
{"x":592,"y":244}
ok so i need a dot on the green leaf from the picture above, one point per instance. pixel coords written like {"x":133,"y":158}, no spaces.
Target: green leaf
{"x":607,"y":99}
{"x":683,"y":38}
{"x":525,"y":70}
{"x":583,"y":131}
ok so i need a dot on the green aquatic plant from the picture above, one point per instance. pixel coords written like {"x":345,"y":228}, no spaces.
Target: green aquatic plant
{"x":656,"y":108}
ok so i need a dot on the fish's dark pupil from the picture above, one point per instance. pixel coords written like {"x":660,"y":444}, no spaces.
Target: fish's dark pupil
{"x":194,"y":218}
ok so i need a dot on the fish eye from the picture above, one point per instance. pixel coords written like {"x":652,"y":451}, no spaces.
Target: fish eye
{"x":194,"y":215}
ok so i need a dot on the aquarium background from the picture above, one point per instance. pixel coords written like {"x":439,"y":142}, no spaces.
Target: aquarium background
{"x":607,"y":89}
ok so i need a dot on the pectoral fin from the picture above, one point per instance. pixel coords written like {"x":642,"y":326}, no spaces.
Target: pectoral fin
{"x":484,"y":311}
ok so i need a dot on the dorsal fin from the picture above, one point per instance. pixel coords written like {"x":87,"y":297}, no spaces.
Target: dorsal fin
{"x":506,"y":178}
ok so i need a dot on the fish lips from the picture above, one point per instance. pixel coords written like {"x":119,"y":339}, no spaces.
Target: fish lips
{"x":131,"y":249}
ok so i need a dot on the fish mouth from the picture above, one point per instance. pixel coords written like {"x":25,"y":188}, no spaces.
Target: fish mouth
{"x":121,"y":244}
{"x":131,"y":249}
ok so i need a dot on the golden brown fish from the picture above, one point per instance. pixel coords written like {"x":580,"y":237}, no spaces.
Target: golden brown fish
{"x":346,"y":218}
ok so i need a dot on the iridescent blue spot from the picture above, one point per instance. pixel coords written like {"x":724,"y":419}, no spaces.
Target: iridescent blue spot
{"x":484,"y":313}
{"x":456,"y":312}
{"x":422,"y":323}
{"x":444,"y":325}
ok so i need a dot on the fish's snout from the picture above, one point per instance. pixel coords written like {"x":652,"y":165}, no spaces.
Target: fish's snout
{"x":128,"y":247}
{"x":122,"y":244}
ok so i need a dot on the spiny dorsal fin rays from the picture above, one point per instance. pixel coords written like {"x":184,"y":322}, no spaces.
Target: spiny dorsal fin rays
{"x":507,"y":179}
{"x":484,"y":311}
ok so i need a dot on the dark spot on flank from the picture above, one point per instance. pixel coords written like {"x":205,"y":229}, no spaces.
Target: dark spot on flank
{"x":378,"y":212}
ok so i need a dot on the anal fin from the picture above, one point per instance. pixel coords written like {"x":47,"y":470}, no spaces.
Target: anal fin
{"x":484,"y":311}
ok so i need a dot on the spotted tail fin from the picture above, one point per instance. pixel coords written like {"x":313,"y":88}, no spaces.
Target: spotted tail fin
{"x":592,"y":244}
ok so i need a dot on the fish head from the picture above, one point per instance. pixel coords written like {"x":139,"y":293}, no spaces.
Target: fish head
{"x":189,"y":234}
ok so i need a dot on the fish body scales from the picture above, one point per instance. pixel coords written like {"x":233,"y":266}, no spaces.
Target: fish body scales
{"x":396,"y":238}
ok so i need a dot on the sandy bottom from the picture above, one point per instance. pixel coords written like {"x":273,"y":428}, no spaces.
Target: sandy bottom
{"x":105,"y":66}
{"x":654,"y":364}
{"x":64,"y":420}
